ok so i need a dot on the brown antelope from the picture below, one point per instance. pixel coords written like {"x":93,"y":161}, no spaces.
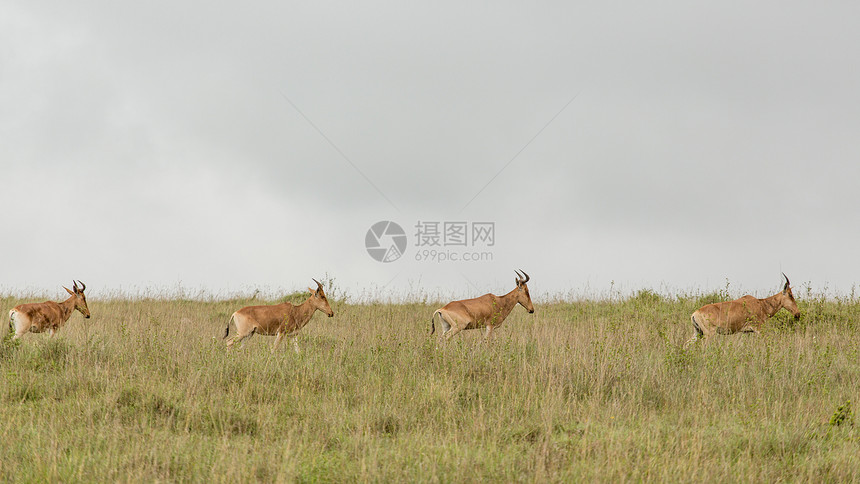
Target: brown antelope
{"x":744,"y":315}
{"x":488,"y":310}
{"x":48,"y":316}
{"x":280,"y":320}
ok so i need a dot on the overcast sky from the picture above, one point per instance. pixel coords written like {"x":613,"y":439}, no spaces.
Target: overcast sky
{"x":228,"y":146}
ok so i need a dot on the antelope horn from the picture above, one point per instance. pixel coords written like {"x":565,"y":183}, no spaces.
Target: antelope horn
{"x":74,"y":285}
{"x":787,"y":283}
{"x":519,"y":276}
{"x":83,"y":286}
{"x":319,"y":286}
{"x":526,"y":276}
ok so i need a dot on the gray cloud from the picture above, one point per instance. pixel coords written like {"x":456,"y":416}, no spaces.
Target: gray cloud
{"x":704,"y":143}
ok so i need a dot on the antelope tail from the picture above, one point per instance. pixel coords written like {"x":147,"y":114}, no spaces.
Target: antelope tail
{"x":227,"y":329}
{"x":433,"y":323}
{"x":698,"y":334}
{"x":696,"y":326}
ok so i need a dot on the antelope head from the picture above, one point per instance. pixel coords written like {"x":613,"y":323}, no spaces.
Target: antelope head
{"x":787,"y":299}
{"x":80,"y":299}
{"x":523,"y":297}
{"x":318,"y":299}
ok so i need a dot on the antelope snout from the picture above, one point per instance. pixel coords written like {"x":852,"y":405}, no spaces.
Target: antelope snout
{"x":87,"y":316}
{"x":797,"y":317}
{"x":331,"y":314}
{"x":531,"y":311}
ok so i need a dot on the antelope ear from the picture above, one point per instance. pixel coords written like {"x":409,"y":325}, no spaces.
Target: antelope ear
{"x":312,"y":290}
{"x":69,"y":290}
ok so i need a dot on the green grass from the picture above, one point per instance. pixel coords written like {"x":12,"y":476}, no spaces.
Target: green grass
{"x":588,"y":390}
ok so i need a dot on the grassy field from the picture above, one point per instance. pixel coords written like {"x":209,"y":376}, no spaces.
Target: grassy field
{"x":586,"y":390}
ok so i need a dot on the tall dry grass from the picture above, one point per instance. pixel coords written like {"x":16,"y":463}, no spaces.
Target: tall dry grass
{"x":587,"y":390}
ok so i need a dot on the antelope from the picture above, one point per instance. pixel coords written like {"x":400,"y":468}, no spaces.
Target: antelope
{"x":278,"y":320}
{"x":743,"y":315}
{"x":48,"y":316}
{"x":488,"y":310}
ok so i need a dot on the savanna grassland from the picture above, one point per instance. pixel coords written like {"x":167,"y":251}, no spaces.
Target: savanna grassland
{"x":597,"y":390}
